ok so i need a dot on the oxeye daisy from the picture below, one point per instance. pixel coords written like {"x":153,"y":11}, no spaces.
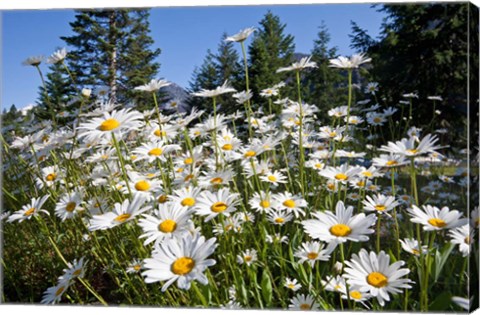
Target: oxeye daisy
{"x":155,"y":150}
{"x":292,"y":284}
{"x":279,"y":217}
{"x":216,"y":179}
{"x":434,"y":219}
{"x":389,"y":160}
{"x":376,"y":119}
{"x":225,"y":88}
{"x":313,"y":251}
{"x":50,"y":176}
{"x":241,"y":36}
{"x":341,"y":226}
{"x":409,"y":148}
{"x":153,"y":86}
{"x":122,"y":212}
{"x":291,"y":203}
{"x":380,"y":203}
{"x":211,"y":204}
{"x":300,"y":65}
{"x":463,"y":237}
{"x":356,"y":295}
{"x":135,"y":266}
{"x":275,"y":178}
{"x":116,"y":123}
{"x":276,"y":238}
{"x":303,"y":302}
{"x":349,"y":63}
{"x":54,"y":294}
{"x":341,"y":173}
{"x":334,"y":284}
{"x":169,"y":220}
{"x":181,"y":261}
{"x":186,"y":196}
{"x":143,"y":185}
{"x":230,"y":224}
{"x":68,"y":206}
{"x":76,"y":269}
{"x":247,"y":257}
{"x":373,"y":273}
{"x":410,"y":245}
{"x":262,"y":202}
{"x":29,"y":210}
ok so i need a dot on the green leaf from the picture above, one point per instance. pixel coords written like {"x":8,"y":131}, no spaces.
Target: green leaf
{"x":266,"y":285}
{"x":441,"y":259}
{"x":442,"y":302}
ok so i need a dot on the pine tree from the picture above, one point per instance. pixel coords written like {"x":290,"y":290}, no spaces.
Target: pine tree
{"x":322,"y":83}
{"x":204,"y":77}
{"x":270,"y":50}
{"x":59,"y":91}
{"x":112,"y":48}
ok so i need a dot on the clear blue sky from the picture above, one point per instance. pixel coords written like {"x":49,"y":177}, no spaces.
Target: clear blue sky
{"x":183,"y":34}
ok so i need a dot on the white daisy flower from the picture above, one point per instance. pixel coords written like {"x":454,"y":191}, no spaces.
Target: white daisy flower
{"x":276,"y":238}
{"x":155,"y":150}
{"x":50,"y":176}
{"x":241,"y":36}
{"x":410,"y":245}
{"x":373,"y":273}
{"x":463,"y":237}
{"x":300,"y":65}
{"x":212,"y":204}
{"x":409,"y":148}
{"x":30,"y":210}
{"x":247,"y":257}
{"x":225,"y":88}
{"x":341,"y":173}
{"x":290,"y":202}
{"x":181,"y":261}
{"x":341,"y":226}
{"x":169,"y":220}
{"x":54,"y":294}
{"x":279,"y":217}
{"x":135,"y":266}
{"x":303,"y":302}
{"x":76,"y":269}
{"x":262,"y":202}
{"x":334,"y":284}
{"x":117,"y":123}
{"x":434,"y":219}
{"x":313,"y":251}
{"x":380,"y":203}
{"x":389,"y":160}
{"x":349,"y":63}
{"x":292,"y":284}
{"x":153,"y":86}
{"x":69,"y":205}
{"x":186,"y":196}
{"x":123,"y":212}
{"x":274,"y":178}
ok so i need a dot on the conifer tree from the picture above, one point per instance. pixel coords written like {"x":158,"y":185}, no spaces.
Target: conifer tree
{"x":112,"y":48}
{"x":270,"y":50}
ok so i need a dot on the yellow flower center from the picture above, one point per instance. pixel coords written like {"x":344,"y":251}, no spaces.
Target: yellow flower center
{"x":250,"y":153}
{"x":160,"y":133}
{"x":467,"y":240}
{"x":377,"y":119}
{"x":391,"y":163}
{"x":412,"y":151}
{"x":180,"y":170}
{"x":29,"y":212}
{"x":137,"y":267}
{"x":264,"y":203}
{"x":227,"y":147}
{"x":247,"y":258}
{"x":331,"y":186}
{"x":437,"y":222}
{"x":155,"y":152}
{"x":279,"y":220}
{"x":77,"y":272}
{"x":51,"y":177}
{"x":188,"y":161}
{"x":59,"y":291}
{"x":305,"y":307}
{"x":340,"y":230}
{"x":218,"y":207}
{"x":355,"y":295}
{"x":216,"y":181}
{"x":380,"y":207}
{"x":341,"y":176}
{"x":367,"y":174}
{"x":70,"y":206}
{"x":167,"y":226}
{"x":133,"y":157}
{"x":188,"y":202}
{"x":289,"y":203}
{"x":183,"y":265}
{"x":142,"y":185}
{"x":312,"y":255}
{"x":104,"y":156}
{"x":291,"y":286}
{"x":162,"y":199}
{"x":332,"y":134}
{"x":109,"y":124}
{"x":123,"y":217}
{"x":377,"y":279}
{"x":318,"y":165}
{"x":361,"y":183}
{"x":272,"y":178}
{"x":415,"y":251}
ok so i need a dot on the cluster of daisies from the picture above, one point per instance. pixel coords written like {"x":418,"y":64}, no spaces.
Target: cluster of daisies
{"x":187,"y":181}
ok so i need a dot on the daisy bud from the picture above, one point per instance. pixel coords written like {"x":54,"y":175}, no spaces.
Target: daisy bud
{"x":86,"y":92}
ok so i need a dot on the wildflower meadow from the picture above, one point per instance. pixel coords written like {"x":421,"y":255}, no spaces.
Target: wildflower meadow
{"x":275,"y":204}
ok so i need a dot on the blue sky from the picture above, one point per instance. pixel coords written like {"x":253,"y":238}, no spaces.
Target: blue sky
{"x":183,"y":34}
